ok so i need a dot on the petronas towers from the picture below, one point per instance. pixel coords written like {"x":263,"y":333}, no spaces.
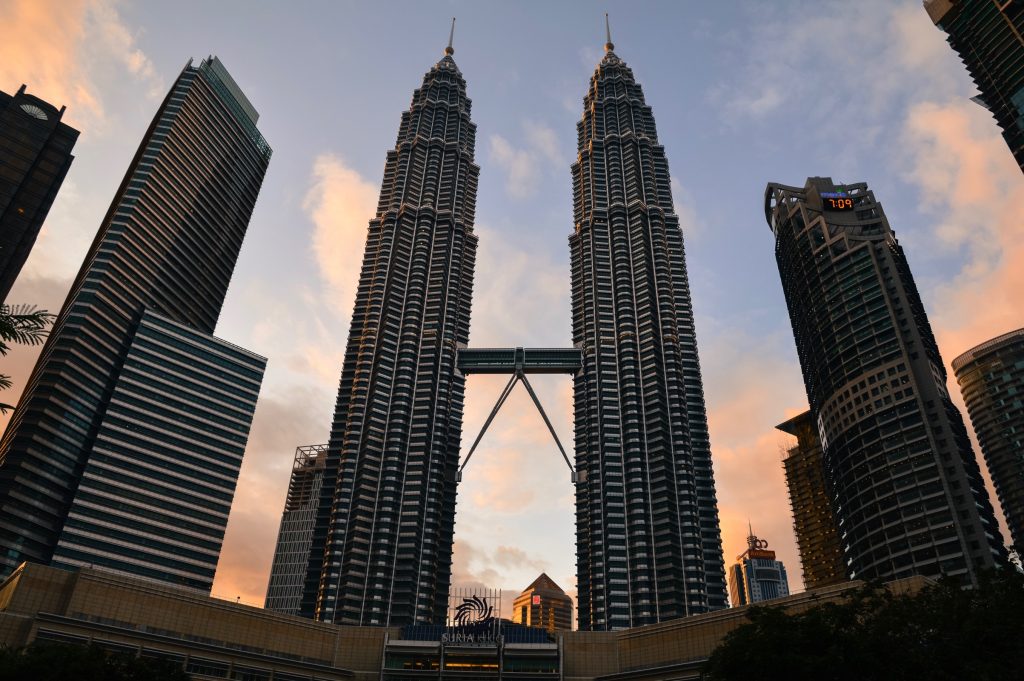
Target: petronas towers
{"x":382,"y":542}
{"x":647,"y":538}
{"x":648,"y":543}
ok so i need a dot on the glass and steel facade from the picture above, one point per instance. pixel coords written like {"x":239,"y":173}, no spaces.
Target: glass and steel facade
{"x":35,"y":154}
{"x":905,"y":485}
{"x":291,"y":555}
{"x":154,"y":495}
{"x":164,"y":252}
{"x":814,"y":522}
{"x":648,"y":545}
{"x":382,"y":541}
{"x":989,"y":37}
{"x":991,"y":378}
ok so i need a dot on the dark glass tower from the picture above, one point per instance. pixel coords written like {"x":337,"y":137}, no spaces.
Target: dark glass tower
{"x":991,"y":378}
{"x":130,"y":382}
{"x":989,"y":37}
{"x":382,"y":544}
{"x":648,"y":546}
{"x":906,"y":489}
{"x":35,"y":154}
{"x":814,"y":522}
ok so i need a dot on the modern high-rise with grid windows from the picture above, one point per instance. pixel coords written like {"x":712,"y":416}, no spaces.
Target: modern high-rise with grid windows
{"x":989,"y":37}
{"x":905,"y":486}
{"x":381,"y":550}
{"x":991,"y":378}
{"x":125,"y":448}
{"x":648,"y":545}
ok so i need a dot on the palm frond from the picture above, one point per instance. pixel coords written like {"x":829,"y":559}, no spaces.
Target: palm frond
{"x":23,"y":324}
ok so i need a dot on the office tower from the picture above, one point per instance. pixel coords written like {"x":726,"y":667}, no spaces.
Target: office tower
{"x":989,"y":37}
{"x":756,"y":576}
{"x":35,"y":154}
{"x":543,"y":604}
{"x":382,"y":542}
{"x":126,"y":444}
{"x":991,"y":378}
{"x":814,"y":522}
{"x":648,"y":544}
{"x":906,"y":488}
{"x":291,"y":557}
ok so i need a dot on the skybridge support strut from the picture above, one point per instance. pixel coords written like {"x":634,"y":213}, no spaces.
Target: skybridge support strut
{"x":519,"y":362}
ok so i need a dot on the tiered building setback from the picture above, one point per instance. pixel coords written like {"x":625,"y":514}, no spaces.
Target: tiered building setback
{"x":382,"y":542}
{"x":648,"y":545}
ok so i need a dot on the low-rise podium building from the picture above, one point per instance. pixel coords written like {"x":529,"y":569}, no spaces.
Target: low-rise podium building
{"x":213,"y":638}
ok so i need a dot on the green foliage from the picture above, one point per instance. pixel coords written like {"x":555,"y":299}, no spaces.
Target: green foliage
{"x":22,"y":324}
{"x":60,"y":662}
{"x":943,"y":633}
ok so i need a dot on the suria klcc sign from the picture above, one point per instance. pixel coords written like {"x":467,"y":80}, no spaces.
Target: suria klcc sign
{"x":472,"y":619}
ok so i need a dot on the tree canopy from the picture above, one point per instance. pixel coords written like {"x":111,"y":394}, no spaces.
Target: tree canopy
{"x":942,"y":633}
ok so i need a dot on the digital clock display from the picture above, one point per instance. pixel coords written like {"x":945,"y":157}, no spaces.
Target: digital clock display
{"x":835,"y":201}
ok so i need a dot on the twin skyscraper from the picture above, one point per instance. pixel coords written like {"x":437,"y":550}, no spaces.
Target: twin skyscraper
{"x":648,"y":544}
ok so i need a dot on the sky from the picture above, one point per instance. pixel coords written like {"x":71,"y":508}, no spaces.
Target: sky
{"x":743,"y":92}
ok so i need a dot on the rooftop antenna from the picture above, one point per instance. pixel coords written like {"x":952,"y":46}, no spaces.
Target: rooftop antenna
{"x":608,"y":46}
{"x":451,"y":36}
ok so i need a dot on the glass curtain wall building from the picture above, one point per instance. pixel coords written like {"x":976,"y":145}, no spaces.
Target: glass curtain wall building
{"x":35,"y":154}
{"x":382,"y":542}
{"x":906,"y":489}
{"x":991,"y":378}
{"x":138,"y":321}
{"x":648,"y":544}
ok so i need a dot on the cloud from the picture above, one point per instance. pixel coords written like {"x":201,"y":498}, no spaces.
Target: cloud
{"x":118,"y":43}
{"x":521,"y":296}
{"x":684,"y":205}
{"x":793,"y":66}
{"x":525,"y":166}
{"x":340,"y":203}
{"x":477,"y":568}
{"x":58,"y":48}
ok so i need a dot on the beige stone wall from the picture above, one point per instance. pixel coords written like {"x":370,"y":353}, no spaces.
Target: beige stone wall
{"x":97,"y":604}
{"x":588,"y":654}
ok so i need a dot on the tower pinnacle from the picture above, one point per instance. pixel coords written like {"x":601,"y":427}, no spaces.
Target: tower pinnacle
{"x":451,"y":36}
{"x":608,"y":46}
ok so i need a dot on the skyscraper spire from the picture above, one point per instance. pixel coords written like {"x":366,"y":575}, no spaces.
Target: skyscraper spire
{"x":451,"y":36}
{"x":381,"y":552}
{"x":608,"y":46}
